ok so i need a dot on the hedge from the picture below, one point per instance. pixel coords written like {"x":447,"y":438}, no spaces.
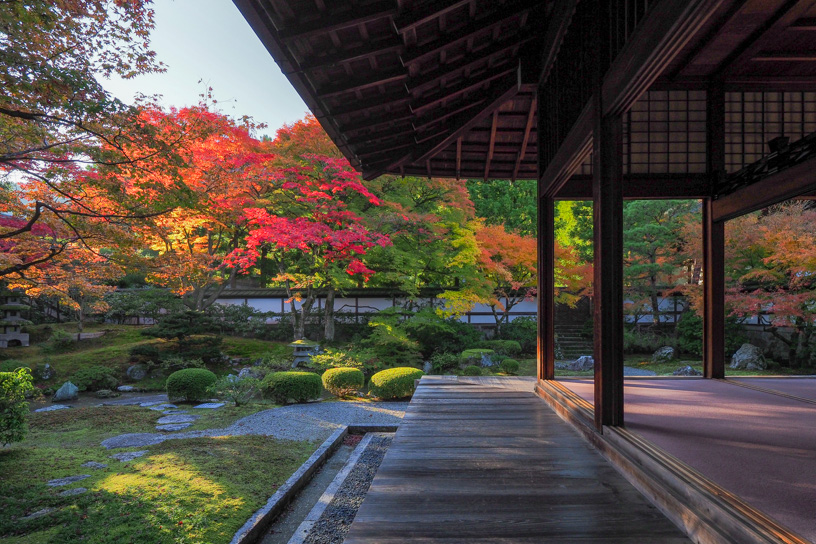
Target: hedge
{"x":343,"y":381}
{"x":190,"y":383}
{"x":94,"y":378}
{"x":510,"y":366}
{"x":472,"y":370}
{"x":292,"y":386}
{"x":510,"y":348}
{"x":474,"y":356}
{"x":394,"y":383}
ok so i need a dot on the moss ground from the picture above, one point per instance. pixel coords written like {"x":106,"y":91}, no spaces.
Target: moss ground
{"x":194,"y":490}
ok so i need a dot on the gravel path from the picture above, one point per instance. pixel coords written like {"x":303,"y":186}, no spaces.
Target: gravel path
{"x":314,"y":421}
{"x":333,"y":525}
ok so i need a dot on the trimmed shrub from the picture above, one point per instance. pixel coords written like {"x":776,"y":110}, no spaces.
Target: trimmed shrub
{"x":143,"y":353}
{"x":94,"y":378}
{"x":190,"y":384}
{"x":343,"y":381}
{"x":394,"y":383}
{"x":60,"y":341}
{"x":474,"y":356}
{"x":335,"y":358}
{"x":510,"y":348}
{"x":14,"y":386}
{"x":472,"y":370}
{"x":292,"y":386}
{"x":442,"y":363}
{"x":237,"y":390}
{"x":510,"y":366}
{"x":437,"y":334}
{"x":523,"y":330}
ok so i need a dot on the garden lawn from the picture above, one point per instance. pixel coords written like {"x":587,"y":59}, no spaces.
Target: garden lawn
{"x":186,"y":490}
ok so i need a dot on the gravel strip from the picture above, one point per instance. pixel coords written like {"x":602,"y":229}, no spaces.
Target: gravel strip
{"x":314,"y":421}
{"x":334,"y":524}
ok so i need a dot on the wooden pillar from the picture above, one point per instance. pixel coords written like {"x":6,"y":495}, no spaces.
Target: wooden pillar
{"x":714,"y":241}
{"x":607,"y":198}
{"x":546,"y":288}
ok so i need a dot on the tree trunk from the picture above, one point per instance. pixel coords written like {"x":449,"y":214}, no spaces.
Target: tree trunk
{"x":305,"y":310}
{"x":654,"y":301}
{"x":328,"y":315}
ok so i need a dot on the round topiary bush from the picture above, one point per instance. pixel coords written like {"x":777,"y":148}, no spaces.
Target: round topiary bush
{"x":94,"y":378}
{"x":510,"y":366}
{"x":472,"y":370}
{"x":343,"y":381}
{"x":190,"y":384}
{"x":292,"y":386}
{"x":394,"y":383}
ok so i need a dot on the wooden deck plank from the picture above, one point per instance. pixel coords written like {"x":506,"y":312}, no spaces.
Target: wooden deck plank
{"x":479,"y":462}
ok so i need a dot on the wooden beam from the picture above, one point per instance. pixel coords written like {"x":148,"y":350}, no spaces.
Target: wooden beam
{"x":355,"y":108}
{"x":380,"y":78}
{"x":410,"y":21}
{"x":328,"y":22}
{"x":608,"y":270}
{"x":487,"y":23}
{"x":643,"y":187}
{"x":660,"y":37}
{"x":502,"y":91}
{"x":765,"y":34}
{"x":440,"y":115}
{"x":391,"y":119}
{"x":527,"y":129}
{"x":462,"y":88}
{"x":785,"y":56}
{"x":369,"y":49}
{"x":458,"y":156}
{"x":469,"y":61}
{"x":804,"y":24}
{"x":491,"y":143}
{"x":546,"y":288}
{"x":559,"y":21}
{"x":570,"y":154}
{"x":713,"y":294}
{"x":776,"y":188}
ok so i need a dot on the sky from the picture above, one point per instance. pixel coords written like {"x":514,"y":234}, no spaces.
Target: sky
{"x":207,"y":43}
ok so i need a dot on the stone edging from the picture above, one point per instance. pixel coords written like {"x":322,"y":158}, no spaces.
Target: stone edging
{"x":260,"y":521}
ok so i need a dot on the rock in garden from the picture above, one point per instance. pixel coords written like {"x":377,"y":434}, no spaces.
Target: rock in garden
{"x":749,"y":357}
{"x":132,"y":440}
{"x":106,"y":394}
{"x":210,"y":405}
{"x":73,"y":492}
{"x":427,"y":367}
{"x":177,"y":419}
{"x":136,"y":372}
{"x":52,"y":408}
{"x":173,"y":427}
{"x":39,"y":514}
{"x":68,"y":391}
{"x":126,"y":388}
{"x":162,"y":407}
{"x":46,"y":372}
{"x":173,"y":412}
{"x":687,"y":371}
{"x":664,"y":355}
{"x":584,"y":362}
{"x":67,"y":480}
{"x":250,"y":372}
{"x":94,"y":464}
{"x":562,"y":365}
{"x":128,"y":455}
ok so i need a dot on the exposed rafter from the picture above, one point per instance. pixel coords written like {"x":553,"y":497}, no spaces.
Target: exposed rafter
{"x":392,"y":44}
{"x":527,"y":129}
{"x":327,"y":22}
{"x":428,"y":13}
{"x":491,"y":143}
{"x":381,"y":79}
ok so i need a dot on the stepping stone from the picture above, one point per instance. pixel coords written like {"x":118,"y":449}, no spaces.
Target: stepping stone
{"x":128,"y":455}
{"x":177,"y":419}
{"x":72,"y":492}
{"x":52,"y":408}
{"x":163,"y":407}
{"x":132,"y":440}
{"x":146,"y":404}
{"x":94,"y":464}
{"x":39,"y":514}
{"x":126,"y":388}
{"x":173,"y":427}
{"x":67,"y":480}
{"x":174,"y":412}
{"x":210,"y":405}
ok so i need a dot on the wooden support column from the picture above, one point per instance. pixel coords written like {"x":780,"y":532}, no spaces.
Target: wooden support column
{"x":607,"y":197}
{"x":546,"y":288}
{"x":714,"y":241}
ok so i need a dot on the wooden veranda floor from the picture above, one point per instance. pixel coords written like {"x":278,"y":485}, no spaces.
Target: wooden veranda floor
{"x":485,"y":460}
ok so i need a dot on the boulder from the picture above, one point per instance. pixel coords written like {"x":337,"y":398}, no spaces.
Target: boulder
{"x":584,"y":362}
{"x":137,"y":372}
{"x":687,"y":371}
{"x":250,"y":372}
{"x":126,"y":388}
{"x":427,"y":367}
{"x":748,"y":357}
{"x":664,"y":355}
{"x":46,"y":372}
{"x":68,"y":391}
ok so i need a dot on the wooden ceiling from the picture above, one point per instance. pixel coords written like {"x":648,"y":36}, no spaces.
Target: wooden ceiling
{"x":448,"y":88}
{"x":414,"y":87}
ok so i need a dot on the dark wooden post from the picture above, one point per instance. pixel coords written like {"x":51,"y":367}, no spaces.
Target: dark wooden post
{"x":714,"y":241}
{"x":546,"y":288}
{"x":608,"y":268}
